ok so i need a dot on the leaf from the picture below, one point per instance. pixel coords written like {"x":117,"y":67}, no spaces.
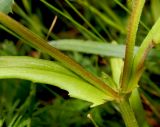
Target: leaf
{"x":116,"y":67}
{"x":108,"y":80}
{"x":6,"y":6}
{"x":94,"y":47}
{"x":8,"y":48}
{"x":43,"y":71}
{"x":90,"y":47}
{"x":102,"y":16}
{"x":65,"y":14}
{"x":29,"y":62}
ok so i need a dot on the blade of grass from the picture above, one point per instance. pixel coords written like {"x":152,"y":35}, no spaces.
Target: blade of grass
{"x":110,"y":12}
{"x":85,"y":20}
{"x":150,"y":102}
{"x":30,"y":21}
{"x":93,"y":47}
{"x":89,"y":116}
{"x":81,"y":27}
{"x":51,"y":27}
{"x":102,"y":16}
{"x":104,"y":49}
{"x":103,"y":27}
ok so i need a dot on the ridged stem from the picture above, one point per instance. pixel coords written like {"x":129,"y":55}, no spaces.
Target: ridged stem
{"x":127,"y":113}
{"x":130,"y":41}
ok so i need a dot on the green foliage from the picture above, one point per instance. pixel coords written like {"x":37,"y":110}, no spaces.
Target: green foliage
{"x":100,"y":23}
{"x":8,"y":48}
{"x":40,"y":71}
{"x":6,"y":5}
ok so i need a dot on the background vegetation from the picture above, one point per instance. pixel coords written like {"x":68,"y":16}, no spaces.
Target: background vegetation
{"x":23,"y":103}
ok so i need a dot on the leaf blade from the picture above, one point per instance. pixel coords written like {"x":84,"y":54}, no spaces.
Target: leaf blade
{"x":6,"y":6}
{"x":77,"y":88}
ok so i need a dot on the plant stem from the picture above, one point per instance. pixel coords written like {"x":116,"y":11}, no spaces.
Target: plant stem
{"x":34,"y":40}
{"x":127,"y":113}
{"x":152,"y":39}
{"x":128,"y":11}
{"x":130,"y":41}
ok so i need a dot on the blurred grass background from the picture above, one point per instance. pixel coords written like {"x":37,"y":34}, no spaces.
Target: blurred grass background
{"x":26,"y":104}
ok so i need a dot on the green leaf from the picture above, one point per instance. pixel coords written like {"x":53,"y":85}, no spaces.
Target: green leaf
{"x":116,"y":67}
{"x":29,"y":62}
{"x":84,"y":19}
{"x":90,"y":47}
{"x":6,"y":6}
{"x":108,"y":80}
{"x":94,"y":47}
{"x":43,"y":71}
{"x":102,"y":16}
{"x":80,"y":27}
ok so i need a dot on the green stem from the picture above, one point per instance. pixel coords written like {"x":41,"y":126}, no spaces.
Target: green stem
{"x":38,"y":42}
{"x":152,"y":39}
{"x":136,"y":103}
{"x":130,"y":41}
{"x":127,"y":113}
{"x":128,"y":11}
